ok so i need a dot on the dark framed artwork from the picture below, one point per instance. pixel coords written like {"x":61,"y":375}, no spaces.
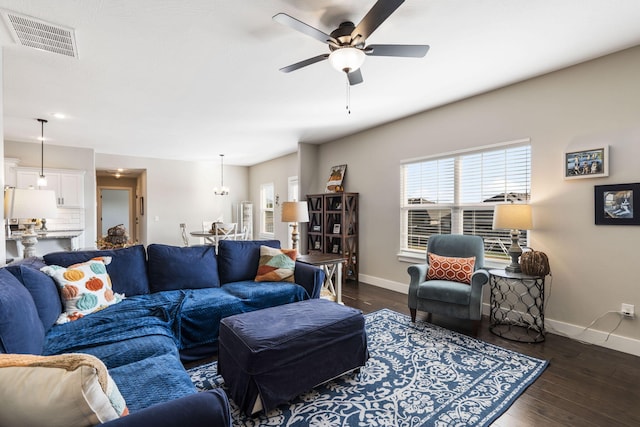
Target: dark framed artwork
{"x":141,"y":205}
{"x":587,"y":163}
{"x":617,"y":204}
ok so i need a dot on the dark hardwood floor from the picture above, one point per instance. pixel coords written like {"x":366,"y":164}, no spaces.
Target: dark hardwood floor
{"x":584,"y":385}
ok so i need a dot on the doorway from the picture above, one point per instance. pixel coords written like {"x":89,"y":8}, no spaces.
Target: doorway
{"x":115,"y":209}
{"x":117,"y":203}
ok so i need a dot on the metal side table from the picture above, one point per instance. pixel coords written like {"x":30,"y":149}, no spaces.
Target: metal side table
{"x":517,"y":306}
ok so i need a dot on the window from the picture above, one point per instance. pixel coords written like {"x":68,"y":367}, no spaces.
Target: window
{"x":266,"y":209}
{"x":455,"y":194}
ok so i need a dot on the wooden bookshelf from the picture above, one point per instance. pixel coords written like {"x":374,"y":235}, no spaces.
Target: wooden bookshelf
{"x":333,"y":228}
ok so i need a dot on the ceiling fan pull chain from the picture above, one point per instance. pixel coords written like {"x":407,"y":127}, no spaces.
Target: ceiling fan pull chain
{"x":348,"y":94}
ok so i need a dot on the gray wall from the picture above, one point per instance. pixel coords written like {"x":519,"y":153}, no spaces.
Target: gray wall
{"x":594,"y":267}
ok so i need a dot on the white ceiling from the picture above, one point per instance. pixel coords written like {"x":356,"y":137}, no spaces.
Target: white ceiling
{"x":192,"y":79}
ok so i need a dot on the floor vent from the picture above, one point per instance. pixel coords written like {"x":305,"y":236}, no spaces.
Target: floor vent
{"x":38,"y":34}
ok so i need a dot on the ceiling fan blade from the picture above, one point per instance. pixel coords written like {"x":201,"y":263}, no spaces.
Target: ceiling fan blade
{"x":304,"y":63}
{"x":405,"y":50}
{"x":372,"y":20}
{"x":355,"y":77}
{"x":298,"y":25}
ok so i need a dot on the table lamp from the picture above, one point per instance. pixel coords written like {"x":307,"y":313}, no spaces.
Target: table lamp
{"x":295,"y":212}
{"x":31,"y":205}
{"x":514,"y":217}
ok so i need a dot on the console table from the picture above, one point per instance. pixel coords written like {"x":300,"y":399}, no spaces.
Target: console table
{"x":331,"y":264}
{"x":517,"y":306}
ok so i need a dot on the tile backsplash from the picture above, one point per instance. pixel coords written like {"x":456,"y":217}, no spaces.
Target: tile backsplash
{"x":67,"y":219}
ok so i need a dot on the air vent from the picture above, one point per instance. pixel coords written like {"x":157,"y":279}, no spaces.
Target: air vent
{"x":38,"y":34}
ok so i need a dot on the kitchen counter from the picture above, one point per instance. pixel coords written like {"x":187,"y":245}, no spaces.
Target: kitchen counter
{"x":51,"y":241}
{"x":67,"y":234}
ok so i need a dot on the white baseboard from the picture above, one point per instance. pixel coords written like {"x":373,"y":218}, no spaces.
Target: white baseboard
{"x":575,"y":332}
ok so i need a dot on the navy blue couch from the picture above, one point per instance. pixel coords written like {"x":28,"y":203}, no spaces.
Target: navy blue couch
{"x":175,"y":299}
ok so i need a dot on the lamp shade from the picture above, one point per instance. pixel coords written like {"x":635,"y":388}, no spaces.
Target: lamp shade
{"x":295,"y":212}
{"x":512,"y":217}
{"x":30,"y":204}
{"x":346,"y":59}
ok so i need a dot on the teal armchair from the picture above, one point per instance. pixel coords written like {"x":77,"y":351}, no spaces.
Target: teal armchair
{"x":444,"y":297}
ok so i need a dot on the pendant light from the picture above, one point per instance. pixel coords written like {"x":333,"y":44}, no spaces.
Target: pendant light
{"x":224,"y":191}
{"x":42,"y":180}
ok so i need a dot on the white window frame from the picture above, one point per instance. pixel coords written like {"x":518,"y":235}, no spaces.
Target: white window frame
{"x":267,"y":205}
{"x":453,"y":200}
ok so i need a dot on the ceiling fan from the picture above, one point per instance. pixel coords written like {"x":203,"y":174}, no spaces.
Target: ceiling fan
{"x":347,"y":43}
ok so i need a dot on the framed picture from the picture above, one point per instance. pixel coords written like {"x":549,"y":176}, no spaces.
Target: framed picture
{"x":336,"y":176}
{"x":316,"y":244}
{"x":336,"y":249}
{"x":588,"y":163}
{"x":336,"y":228}
{"x":141,"y":205}
{"x":617,"y":204}
{"x":315,"y":228}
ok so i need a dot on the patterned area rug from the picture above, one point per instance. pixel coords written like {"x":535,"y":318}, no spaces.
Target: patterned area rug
{"x":418,"y":375}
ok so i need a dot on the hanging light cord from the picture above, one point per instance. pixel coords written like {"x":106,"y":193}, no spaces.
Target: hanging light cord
{"x":346,"y":74}
{"x":42,"y":122}
{"x":41,"y":148}
{"x":221,"y":172}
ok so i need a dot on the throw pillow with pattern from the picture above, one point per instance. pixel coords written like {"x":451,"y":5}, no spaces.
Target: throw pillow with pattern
{"x":450,"y":268}
{"x":84,"y":288}
{"x":276,"y":265}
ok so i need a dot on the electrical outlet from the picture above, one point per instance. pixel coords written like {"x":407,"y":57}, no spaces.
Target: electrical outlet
{"x":628,"y":310}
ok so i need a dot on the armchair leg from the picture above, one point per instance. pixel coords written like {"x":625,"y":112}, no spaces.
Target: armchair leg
{"x":413,"y":315}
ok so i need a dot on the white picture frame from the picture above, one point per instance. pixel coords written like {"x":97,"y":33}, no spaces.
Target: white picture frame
{"x":586,"y":163}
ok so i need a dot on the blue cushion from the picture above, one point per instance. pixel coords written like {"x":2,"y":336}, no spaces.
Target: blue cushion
{"x":238,"y":259}
{"x":201,"y":312}
{"x":128,"y":268}
{"x":156,"y":379}
{"x":258,"y":295}
{"x":21,"y":330}
{"x":174,"y":267}
{"x":43,"y":290}
{"x":445,"y":291}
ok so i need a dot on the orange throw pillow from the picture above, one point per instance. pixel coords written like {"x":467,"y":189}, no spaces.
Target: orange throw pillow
{"x":450,"y":268}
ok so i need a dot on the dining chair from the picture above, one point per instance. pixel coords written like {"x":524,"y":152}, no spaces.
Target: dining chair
{"x":225,"y":231}
{"x":184,"y":234}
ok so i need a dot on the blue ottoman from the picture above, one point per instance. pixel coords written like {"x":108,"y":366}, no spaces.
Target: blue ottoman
{"x":268,"y":357}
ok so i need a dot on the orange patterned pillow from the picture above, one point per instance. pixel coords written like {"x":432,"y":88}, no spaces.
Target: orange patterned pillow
{"x":450,"y":268}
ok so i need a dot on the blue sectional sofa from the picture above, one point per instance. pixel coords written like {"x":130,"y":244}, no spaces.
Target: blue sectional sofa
{"x":174,"y":300}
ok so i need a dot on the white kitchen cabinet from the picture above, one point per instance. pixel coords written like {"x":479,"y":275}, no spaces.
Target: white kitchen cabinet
{"x":67,"y":184}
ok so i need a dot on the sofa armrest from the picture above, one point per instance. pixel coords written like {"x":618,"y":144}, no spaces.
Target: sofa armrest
{"x":309,"y":277}
{"x":209,"y":408}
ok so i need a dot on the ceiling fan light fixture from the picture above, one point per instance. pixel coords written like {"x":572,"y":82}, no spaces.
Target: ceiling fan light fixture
{"x":222,"y":191}
{"x":346,"y":59}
